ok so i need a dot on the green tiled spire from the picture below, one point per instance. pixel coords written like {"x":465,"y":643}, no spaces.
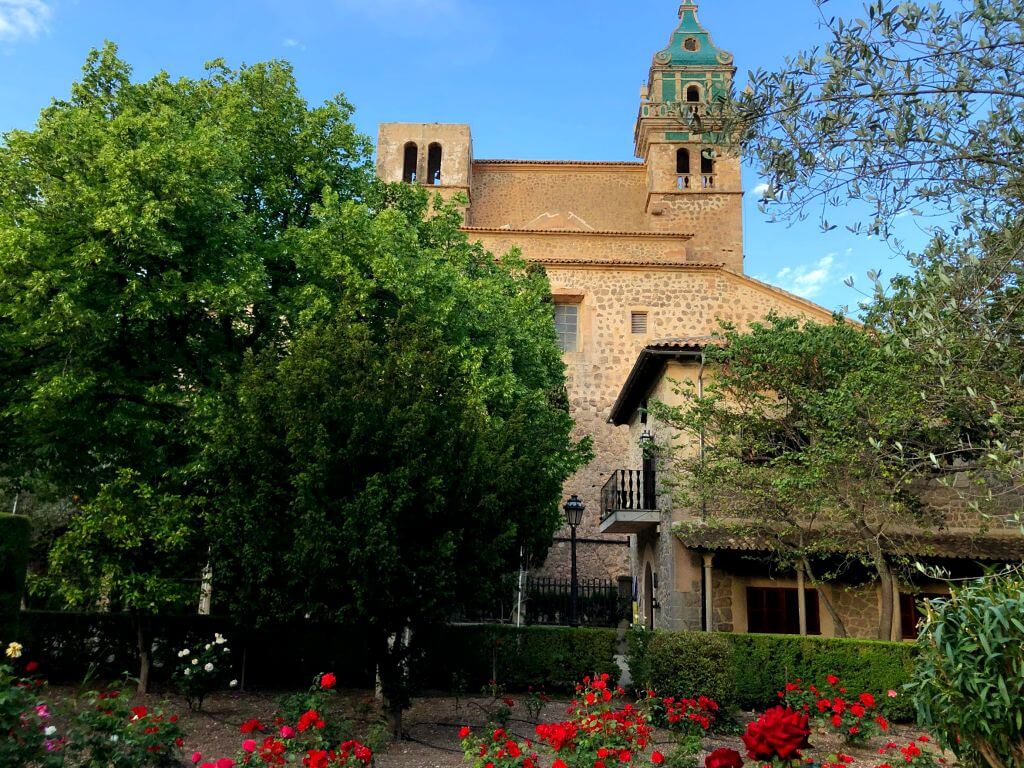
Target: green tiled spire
{"x":691,"y":44}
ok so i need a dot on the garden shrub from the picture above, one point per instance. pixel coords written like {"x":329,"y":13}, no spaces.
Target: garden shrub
{"x":517,"y":657}
{"x":763,"y":665}
{"x":14,"y":542}
{"x":969,"y":683}
{"x":752,"y":669}
{"x":684,"y":664}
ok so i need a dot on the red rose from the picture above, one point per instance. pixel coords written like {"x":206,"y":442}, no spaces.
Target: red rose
{"x":657,"y":758}
{"x":867,"y":700}
{"x":778,"y":733}
{"x":832,"y":679}
{"x":328,"y":681}
{"x":464,"y":733}
{"x":724,"y":758}
{"x":31,"y":666}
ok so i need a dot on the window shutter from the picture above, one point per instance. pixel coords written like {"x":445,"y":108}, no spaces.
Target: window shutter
{"x":638,"y":322}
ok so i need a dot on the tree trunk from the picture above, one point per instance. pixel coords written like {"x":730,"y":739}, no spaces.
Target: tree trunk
{"x":885,"y":582}
{"x":144,"y":659}
{"x":837,"y":621}
{"x":394,"y":680}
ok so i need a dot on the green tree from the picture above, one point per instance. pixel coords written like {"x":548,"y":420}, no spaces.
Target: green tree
{"x":147,"y":236}
{"x":146,"y":241}
{"x":814,"y":444}
{"x":912,"y":108}
{"x":969,"y":680}
{"x":915,"y":109}
{"x":387,"y":466}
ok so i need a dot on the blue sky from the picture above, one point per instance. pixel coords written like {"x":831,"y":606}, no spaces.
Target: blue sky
{"x":540,"y":80}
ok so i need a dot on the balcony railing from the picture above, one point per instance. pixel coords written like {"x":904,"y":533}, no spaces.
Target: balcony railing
{"x":629,"y":490}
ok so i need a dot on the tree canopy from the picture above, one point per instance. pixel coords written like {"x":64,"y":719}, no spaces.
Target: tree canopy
{"x":390,"y":463}
{"x":227,"y":341}
{"x":798,"y":419}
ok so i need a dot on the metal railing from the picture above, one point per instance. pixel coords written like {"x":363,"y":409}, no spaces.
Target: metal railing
{"x":628,"y":490}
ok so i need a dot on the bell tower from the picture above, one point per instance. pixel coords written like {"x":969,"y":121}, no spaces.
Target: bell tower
{"x":690,"y":170}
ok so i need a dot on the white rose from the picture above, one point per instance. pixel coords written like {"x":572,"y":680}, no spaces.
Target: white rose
{"x":114,"y":738}
{"x":187,"y":671}
{"x":185,"y":653}
{"x":195,"y":661}
{"x":208,"y":646}
{"x":233,"y":684}
{"x":208,"y":667}
{"x":49,"y":730}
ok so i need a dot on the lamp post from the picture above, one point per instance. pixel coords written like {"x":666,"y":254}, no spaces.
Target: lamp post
{"x":574,"y":509}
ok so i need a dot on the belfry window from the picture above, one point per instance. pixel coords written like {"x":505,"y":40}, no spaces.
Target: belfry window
{"x":707,"y":161}
{"x":693,"y":94}
{"x":412,"y":154}
{"x":434,"y":164}
{"x":682,"y":161}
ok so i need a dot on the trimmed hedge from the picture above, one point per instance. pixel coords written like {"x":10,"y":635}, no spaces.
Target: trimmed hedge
{"x":517,"y":657}
{"x":754,"y":668}
{"x":69,"y":644}
{"x":289,"y":656}
{"x":14,"y":542}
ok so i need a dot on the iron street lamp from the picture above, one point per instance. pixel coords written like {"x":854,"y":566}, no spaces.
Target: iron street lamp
{"x":574,"y":509}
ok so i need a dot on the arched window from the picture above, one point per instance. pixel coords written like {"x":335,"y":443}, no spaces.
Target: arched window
{"x":693,"y":94}
{"x":412,"y":155}
{"x":434,"y":164}
{"x":682,"y":161}
{"x":707,"y":168}
{"x":707,"y":161}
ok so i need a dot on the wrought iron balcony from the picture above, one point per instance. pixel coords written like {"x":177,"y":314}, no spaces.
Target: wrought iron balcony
{"x":629,"y":501}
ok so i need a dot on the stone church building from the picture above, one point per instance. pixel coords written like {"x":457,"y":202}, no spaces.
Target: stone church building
{"x":644,"y":259}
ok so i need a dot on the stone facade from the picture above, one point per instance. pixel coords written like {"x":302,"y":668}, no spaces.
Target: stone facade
{"x":659,"y":240}
{"x":662,"y":236}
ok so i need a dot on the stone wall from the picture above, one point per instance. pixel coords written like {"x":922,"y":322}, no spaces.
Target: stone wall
{"x":605,"y":197}
{"x":679,"y":300}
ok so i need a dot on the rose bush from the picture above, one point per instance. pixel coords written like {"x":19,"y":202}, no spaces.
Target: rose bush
{"x":204,"y":668}
{"x":856,"y":718}
{"x":778,"y":736}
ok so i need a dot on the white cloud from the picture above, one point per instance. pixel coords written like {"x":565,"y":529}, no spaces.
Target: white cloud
{"x":808,"y":280}
{"x":291,"y":42}
{"x":21,"y":19}
{"x":760,"y":190}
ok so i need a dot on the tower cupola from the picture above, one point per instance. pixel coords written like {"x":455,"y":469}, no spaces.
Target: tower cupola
{"x":687,"y":78}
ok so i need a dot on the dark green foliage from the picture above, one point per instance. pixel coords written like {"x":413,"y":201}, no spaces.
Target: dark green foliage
{"x":969,"y":684}
{"x":749,"y":670}
{"x":14,"y":541}
{"x":686,"y":664}
{"x":67,"y":644}
{"x":516,"y":657}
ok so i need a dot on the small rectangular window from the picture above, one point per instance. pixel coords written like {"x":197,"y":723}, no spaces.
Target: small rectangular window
{"x":567,"y":326}
{"x":638,"y":322}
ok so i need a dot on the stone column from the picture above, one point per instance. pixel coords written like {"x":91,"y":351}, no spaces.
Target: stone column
{"x":709,"y":597}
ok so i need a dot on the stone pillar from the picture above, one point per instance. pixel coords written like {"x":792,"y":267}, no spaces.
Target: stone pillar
{"x":801,"y":600}
{"x":709,"y":598}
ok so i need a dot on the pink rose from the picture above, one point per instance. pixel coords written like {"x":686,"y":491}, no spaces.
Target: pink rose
{"x":249,"y":745}
{"x":196,"y":757}
{"x":287,"y":732}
